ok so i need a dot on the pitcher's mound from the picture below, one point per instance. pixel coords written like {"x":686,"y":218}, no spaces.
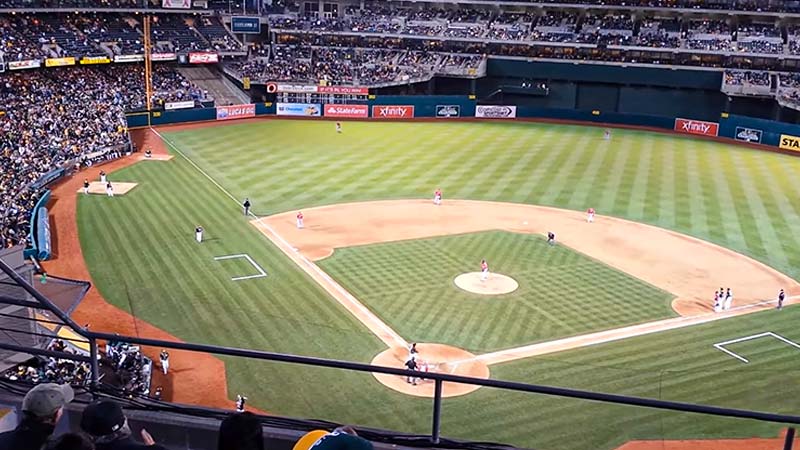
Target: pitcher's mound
{"x":99,"y":188}
{"x":433,"y":358}
{"x":496,"y":284}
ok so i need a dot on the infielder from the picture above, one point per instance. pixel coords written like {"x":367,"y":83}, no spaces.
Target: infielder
{"x":164,"y":357}
{"x":198,"y":234}
{"x":437,"y":197}
{"x":412,"y":350}
{"x":781,"y":298}
{"x":240,"y":401}
{"x":109,"y":189}
{"x":726,"y":305}
{"x":484,"y":270}
{"x":590,"y":215}
{"x":85,"y":185}
{"x":551,"y":238}
{"x":717,"y":302}
{"x":102,"y":177}
{"x":300,"y":219}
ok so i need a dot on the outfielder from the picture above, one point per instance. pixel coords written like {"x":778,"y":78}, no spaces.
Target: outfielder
{"x":590,"y":215}
{"x":338,"y":127}
{"x":198,"y":234}
{"x":246,"y":206}
{"x":437,"y":197}
{"x":484,"y":270}
{"x":300,"y":219}
{"x":607,"y":134}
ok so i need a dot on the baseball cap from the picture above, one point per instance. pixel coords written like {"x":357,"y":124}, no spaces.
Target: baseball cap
{"x":46,"y":398}
{"x":102,"y":418}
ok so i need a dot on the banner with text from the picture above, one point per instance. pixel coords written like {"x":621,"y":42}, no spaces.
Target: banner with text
{"x":163,"y":57}
{"x":203,"y":58}
{"x":19,"y":65}
{"x":169,"y":106}
{"x":748,"y":135}
{"x":789,"y":142}
{"x":236,"y":112}
{"x":176,"y":4}
{"x":392,"y":112}
{"x":298,"y":109}
{"x":128,"y":58}
{"x":342,"y":90}
{"x":58,"y":62}
{"x":240,"y":24}
{"x":446,"y":111}
{"x":351,"y":111}
{"x":699,"y":127}
{"x":496,"y":111}
{"x":95,"y":60}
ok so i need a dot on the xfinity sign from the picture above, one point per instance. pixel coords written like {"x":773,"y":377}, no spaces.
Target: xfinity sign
{"x":393,"y":112}
{"x":699,"y":127}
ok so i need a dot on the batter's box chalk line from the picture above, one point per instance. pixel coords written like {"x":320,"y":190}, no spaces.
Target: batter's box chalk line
{"x":721,"y":345}
{"x":261,"y":272}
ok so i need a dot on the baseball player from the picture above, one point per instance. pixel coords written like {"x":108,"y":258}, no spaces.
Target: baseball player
{"x":164,"y":357}
{"x":102,"y":177}
{"x":607,"y":134}
{"x":198,"y":234}
{"x":300,"y":219}
{"x":717,"y":302}
{"x":437,"y":197}
{"x":85,"y":185}
{"x":109,"y":189}
{"x":148,"y":154}
{"x":484,"y":270}
{"x":551,"y":238}
{"x":590,"y":215}
{"x":338,"y":127}
{"x":412,"y":350}
{"x":781,"y":298}
{"x":726,"y":305}
{"x":246,"y":206}
{"x":411,"y":364}
{"x":240,"y":401}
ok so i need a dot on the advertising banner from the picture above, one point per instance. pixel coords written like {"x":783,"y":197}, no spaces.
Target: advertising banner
{"x":351,"y":111}
{"x":291,"y":88}
{"x":176,"y":4}
{"x":789,"y":142}
{"x":344,"y":90}
{"x":58,"y":62}
{"x":128,"y":58}
{"x":298,"y":109}
{"x":240,"y":24}
{"x":236,"y":112}
{"x":19,"y":65}
{"x":203,"y":58}
{"x":748,"y":135}
{"x":699,"y":127}
{"x":43,"y":240}
{"x":448,"y":111}
{"x":496,"y":111}
{"x":392,"y":112}
{"x":169,"y":106}
{"x":95,"y":60}
{"x":163,"y":57}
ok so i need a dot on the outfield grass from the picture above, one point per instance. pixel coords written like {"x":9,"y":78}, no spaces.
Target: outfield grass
{"x":143,"y":258}
{"x":409,"y":284}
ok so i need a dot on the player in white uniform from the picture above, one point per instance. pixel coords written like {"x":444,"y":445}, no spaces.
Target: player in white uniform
{"x":198,"y":234}
{"x":484,"y":270}
{"x":109,"y":189}
{"x":338,"y":127}
{"x":726,"y":305}
{"x":437,"y":197}
{"x":607,"y":134}
{"x":300,"y":219}
{"x":590,"y":215}
{"x":717,"y":301}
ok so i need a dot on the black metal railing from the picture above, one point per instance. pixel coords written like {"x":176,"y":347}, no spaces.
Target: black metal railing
{"x":92,"y":338}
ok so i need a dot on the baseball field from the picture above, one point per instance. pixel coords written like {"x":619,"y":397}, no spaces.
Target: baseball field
{"x":622,"y":305}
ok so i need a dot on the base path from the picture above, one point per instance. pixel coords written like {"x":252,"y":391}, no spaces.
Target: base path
{"x":194,"y":378}
{"x":655,"y":255}
{"x":434,"y":358}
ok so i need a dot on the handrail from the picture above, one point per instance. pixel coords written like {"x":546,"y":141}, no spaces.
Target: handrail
{"x":438,"y":378}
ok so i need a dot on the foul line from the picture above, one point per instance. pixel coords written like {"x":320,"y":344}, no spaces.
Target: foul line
{"x":346,"y":299}
{"x":721,"y":345}
{"x":261,"y":272}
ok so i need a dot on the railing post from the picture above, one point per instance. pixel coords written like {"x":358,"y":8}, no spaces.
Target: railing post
{"x":437,"y":411}
{"x":94,"y":365}
{"x":789,"y":442}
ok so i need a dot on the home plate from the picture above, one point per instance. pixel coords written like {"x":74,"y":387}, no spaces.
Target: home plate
{"x":99,"y":188}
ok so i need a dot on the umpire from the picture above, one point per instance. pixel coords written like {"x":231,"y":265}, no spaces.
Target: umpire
{"x":246,"y":206}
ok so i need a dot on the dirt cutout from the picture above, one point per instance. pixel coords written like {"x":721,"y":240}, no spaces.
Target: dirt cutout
{"x":99,"y":188}
{"x":431,"y":358}
{"x":194,"y":378}
{"x":494,"y":284}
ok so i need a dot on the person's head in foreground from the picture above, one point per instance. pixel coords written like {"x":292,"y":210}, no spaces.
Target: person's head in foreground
{"x":107,"y":426}
{"x":240,"y":431}
{"x":42,"y":407}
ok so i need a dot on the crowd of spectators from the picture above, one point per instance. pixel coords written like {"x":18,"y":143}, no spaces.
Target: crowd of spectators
{"x":130,"y":367}
{"x":747,"y":77}
{"x":50,"y":369}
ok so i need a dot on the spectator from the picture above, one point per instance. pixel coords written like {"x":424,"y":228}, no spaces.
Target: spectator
{"x":70,"y":441}
{"x":42,"y":406}
{"x":240,"y":431}
{"x":342,"y":438}
{"x":108,"y":428}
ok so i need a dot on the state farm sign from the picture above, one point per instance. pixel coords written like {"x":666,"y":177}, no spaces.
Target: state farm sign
{"x":392,"y":112}
{"x":700,"y":127}
{"x":236,"y":112}
{"x":346,"y":110}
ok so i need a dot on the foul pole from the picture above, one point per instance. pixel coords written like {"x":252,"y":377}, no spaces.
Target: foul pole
{"x":148,"y":67}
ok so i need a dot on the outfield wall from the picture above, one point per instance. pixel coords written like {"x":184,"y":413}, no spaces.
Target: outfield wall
{"x":766,"y":134}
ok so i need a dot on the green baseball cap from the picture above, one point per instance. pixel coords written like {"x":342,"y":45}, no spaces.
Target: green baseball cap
{"x":46,"y":398}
